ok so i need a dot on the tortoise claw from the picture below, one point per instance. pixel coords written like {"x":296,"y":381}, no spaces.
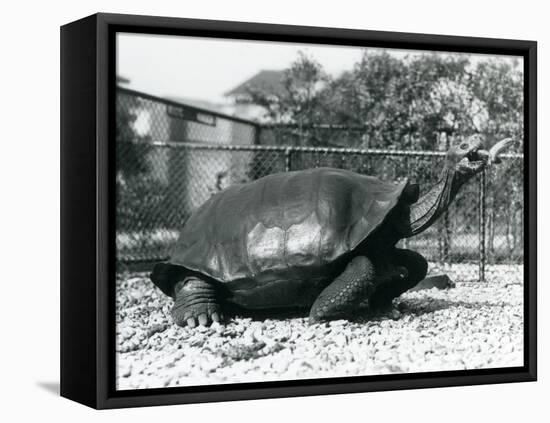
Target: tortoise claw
{"x":198,"y":315}
{"x":195,"y":303}
{"x":312,"y":320}
{"x":203,"y":320}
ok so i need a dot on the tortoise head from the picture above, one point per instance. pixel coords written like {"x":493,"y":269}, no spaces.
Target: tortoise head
{"x":467,"y":157}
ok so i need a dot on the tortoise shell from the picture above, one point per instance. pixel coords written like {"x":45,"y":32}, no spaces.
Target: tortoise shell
{"x":282,"y":227}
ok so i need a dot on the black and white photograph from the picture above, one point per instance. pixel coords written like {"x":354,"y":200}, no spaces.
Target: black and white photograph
{"x":290,"y":211}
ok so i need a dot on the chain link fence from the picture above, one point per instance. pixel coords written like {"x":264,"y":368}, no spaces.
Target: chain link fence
{"x":172,"y":157}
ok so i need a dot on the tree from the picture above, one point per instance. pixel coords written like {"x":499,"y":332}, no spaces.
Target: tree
{"x":300,"y":106}
{"x":130,"y":156}
{"x":499,"y":85}
{"x":366,"y":97}
{"x":137,"y":191}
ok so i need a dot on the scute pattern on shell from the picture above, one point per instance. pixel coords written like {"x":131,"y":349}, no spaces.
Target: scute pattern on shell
{"x":268,"y":229}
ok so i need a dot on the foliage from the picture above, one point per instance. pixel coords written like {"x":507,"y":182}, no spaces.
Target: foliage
{"x":135,"y":162}
{"x":499,"y":86}
{"x":301,"y":105}
{"x":136,"y":197}
{"x":420,"y":101}
{"x":301,"y":99}
{"x":136,"y":190}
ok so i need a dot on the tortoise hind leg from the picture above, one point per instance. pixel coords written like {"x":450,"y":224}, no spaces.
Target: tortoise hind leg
{"x":416,"y":268}
{"x":195,"y":302}
{"x":343,"y":295}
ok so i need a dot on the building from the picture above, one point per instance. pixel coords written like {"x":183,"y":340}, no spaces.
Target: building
{"x":266,"y":82}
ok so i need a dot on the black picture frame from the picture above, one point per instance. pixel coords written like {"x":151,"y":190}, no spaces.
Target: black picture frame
{"x":87,"y":209}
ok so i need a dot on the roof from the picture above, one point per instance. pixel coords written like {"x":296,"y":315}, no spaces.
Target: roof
{"x":122,"y":80}
{"x":268,"y":81}
{"x":194,"y":102}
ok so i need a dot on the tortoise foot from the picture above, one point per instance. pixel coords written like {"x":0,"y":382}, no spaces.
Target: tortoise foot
{"x":387,"y":311}
{"x":198,"y":317}
{"x":196,"y":304}
{"x":319,"y":318}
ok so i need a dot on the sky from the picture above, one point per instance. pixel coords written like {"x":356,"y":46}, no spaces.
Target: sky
{"x":206,"y":68}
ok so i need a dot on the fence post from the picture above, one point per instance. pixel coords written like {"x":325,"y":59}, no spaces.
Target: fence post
{"x":257,"y":135}
{"x":482,"y":229}
{"x":288,"y":159}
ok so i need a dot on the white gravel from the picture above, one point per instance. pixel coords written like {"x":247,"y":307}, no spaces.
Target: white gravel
{"x":472,"y":326}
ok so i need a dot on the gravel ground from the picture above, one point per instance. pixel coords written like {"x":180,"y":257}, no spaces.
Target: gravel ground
{"x":472,"y":326}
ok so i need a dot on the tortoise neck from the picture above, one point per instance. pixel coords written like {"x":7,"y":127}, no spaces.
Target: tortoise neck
{"x":435,"y":202}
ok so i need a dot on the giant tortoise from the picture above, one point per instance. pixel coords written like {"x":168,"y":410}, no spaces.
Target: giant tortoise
{"x":321,"y":239}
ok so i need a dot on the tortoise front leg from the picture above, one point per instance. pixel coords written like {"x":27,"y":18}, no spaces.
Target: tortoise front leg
{"x":343,"y":295}
{"x":195,"y":302}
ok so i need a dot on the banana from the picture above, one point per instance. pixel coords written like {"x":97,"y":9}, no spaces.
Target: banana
{"x":499,"y":148}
